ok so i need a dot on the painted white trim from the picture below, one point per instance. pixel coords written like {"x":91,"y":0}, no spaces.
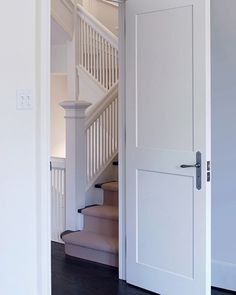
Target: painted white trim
{"x":75,"y":161}
{"x":69,"y":5}
{"x":95,"y":111}
{"x":43,"y":9}
{"x":80,"y":69}
{"x":121,"y":140}
{"x":114,"y":2}
{"x":101,"y":172}
{"x":58,"y":198}
{"x":110,"y":3}
{"x":58,"y":163}
{"x":223,"y":275}
{"x":97,"y":25}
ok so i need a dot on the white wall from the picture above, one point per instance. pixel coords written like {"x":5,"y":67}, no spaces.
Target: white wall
{"x":59,"y":59}
{"x":224,"y":143}
{"x":58,"y":94}
{"x":18,"y":202}
{"x":59,"y":39}
{"x":106,"y":13}
{"x":62,"y":12}
{"x":89,"y":90}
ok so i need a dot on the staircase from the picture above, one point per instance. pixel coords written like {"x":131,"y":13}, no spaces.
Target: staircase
{"x":98,"y":241}
{"x":97,"y":61}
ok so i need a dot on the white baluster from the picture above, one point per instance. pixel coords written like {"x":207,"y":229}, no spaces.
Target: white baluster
{"x":58,"y":198}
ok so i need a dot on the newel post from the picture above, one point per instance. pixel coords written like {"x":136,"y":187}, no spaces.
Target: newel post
{"x":75,"y":161}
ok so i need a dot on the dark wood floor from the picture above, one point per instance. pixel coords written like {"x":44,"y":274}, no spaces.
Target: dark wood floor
{"x":72,"y":277}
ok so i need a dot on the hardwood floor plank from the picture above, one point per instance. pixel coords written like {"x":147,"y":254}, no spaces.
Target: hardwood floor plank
{"x":77,"y":277}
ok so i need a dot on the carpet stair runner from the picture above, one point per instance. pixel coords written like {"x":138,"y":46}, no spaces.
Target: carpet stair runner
{"x":98,"y":241}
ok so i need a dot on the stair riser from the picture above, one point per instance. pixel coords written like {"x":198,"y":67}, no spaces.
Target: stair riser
{"x":92,"y":255}
{"x":101,"y":226}
{"x":110,"y":198}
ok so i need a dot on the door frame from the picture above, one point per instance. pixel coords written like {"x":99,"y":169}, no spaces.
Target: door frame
{"x":122,"y":143}
{"x":43,"y":151}
{"x":43,"y":16}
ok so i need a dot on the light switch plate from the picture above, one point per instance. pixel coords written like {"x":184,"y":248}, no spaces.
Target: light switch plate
{"x":24,"y":99}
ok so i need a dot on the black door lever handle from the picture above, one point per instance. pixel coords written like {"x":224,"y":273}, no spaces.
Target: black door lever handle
{"x":198,"y":165}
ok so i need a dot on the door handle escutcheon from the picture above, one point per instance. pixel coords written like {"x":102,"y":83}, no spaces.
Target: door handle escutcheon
{"x":198,"y":167}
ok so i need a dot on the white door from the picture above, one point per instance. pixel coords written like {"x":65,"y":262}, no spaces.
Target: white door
{"x":168,"y":125}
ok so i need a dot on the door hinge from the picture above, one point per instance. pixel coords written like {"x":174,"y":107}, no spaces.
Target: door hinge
{"x":208,"y":165}
{"x":208,"y":176}
{"x":125,"y":136}
{"x":208,"y":171}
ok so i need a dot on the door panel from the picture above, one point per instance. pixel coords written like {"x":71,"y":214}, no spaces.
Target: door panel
{"x":165,"y":217}
{"x":167,"y":123}
{"x":163,"y":39}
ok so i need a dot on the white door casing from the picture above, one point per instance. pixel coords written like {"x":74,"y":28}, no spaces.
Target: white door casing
{"x":167,"y":123}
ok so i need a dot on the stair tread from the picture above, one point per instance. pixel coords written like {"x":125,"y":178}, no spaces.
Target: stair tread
{"x":111,"y":186}
{"x":92,"y":241}
{"x":106,"y":212}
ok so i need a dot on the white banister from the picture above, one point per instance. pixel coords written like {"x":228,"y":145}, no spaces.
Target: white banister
{"x":91,"y":135}
{"x":102,"y":135}
{"x":98,"y":49}
{"x":58,"y":198}
{"x":98,"y":26}
{"x":75,"y":162}
{"x":97,"y":109}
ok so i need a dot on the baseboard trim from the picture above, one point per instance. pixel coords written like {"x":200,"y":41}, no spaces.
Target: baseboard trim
{"x":224,"y":275}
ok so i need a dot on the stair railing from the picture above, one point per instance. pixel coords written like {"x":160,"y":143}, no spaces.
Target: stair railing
{"x":58,"y":198}
{"x":91,"y":131}
{"x":91,"y":145}
{"x":102,"y":135}
{"x":98,"y":49}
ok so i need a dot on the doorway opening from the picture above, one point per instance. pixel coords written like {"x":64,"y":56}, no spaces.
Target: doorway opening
{"x":85,"y":130}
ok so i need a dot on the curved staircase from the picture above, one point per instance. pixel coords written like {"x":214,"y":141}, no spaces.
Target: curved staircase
{"x":98,"y":241}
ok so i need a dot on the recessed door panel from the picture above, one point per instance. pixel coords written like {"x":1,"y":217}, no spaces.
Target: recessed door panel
{"x":168,"y":230}
{"x":158,"y":34}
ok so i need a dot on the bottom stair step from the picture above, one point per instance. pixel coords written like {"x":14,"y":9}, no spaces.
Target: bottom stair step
{"x":92,"y":246}
{"x":92,"y":241}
